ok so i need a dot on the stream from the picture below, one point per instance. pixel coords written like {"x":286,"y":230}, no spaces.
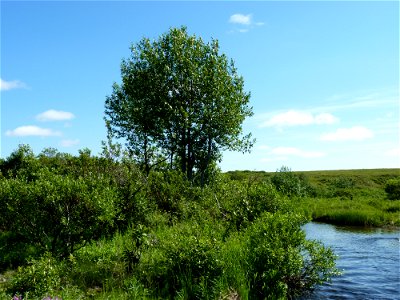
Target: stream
{"x":369,"y":260}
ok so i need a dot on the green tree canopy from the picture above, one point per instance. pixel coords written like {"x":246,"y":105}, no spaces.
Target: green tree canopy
{"x":180,"y":101}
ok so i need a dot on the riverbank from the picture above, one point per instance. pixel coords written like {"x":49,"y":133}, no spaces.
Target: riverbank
{"x":341,"y":197}
{"x":352,"y":198}
{"x":358,"y":211}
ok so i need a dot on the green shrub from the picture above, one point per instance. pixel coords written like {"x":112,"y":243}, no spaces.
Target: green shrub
{"x":21,"y":162}
{"x":166,"y":190}
{"x":272,"y":259}
{"x":130,"y":183}
{"x":57,"y":213}
{"x":240,"y":203}
{"x":135,"y":289}
{"x":182,"y":259}
{"x":103,"y":265}
{"x":342,"y":187}
{"x":272,"y":246}
{"x":40,"y":278}
{"x":291,"y":184}
{"x":342,"y":182}
{"x":392,"y":189}
{"x":15,"y":250}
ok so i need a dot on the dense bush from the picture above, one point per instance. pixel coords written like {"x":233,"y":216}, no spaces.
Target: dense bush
{"x":271,"y":259}
{"x":291,"y":184}
{"x":39,"y":279}
{"x":182,"y":259}
{"x":392,"y":189}
{"x":57,"y":213}
{"x":20,"y":162}
{"x":240,"y":203}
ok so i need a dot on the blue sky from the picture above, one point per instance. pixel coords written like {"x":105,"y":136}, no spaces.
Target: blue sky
{"x":324,"y":76}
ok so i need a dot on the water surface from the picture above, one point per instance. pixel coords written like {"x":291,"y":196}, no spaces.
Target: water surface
{"x":368,"y":258}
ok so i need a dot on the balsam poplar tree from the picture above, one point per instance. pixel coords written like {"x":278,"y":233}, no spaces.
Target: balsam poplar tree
{"x":180,"y":101}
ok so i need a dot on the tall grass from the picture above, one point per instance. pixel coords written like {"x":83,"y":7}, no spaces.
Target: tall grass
{"x":359,"y":211}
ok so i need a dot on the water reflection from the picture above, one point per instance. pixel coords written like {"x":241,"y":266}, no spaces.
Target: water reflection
{"x":368,"y":258}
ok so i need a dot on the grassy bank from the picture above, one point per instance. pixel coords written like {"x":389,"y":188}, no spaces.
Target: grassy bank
{"x":358,"y":211}
{"x":342,"y":197}
{"x":352,"y":197}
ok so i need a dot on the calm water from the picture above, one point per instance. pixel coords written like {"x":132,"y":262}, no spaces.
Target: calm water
{"x":368,"y":259}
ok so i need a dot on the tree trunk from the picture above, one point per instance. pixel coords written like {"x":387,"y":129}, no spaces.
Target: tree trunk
{"x":189,"y":156}
{"x":183,"y":152}
{"x":207,"y":162}
{"x":146,"y":156}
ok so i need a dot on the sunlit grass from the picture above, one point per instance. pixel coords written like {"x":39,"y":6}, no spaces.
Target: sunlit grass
{"x":355,"y":212}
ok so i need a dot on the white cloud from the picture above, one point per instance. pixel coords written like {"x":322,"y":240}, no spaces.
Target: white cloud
{"x":240,"y":19}
{"x":295,"y":118}
{"x":54,"y":115}
{"x":9,"y":85}
{"x":356,"y":133}
{"x":31,"y":130}
{"x":69,"y":143}
{"x":243,"y":23}
{"x":291,"y":151}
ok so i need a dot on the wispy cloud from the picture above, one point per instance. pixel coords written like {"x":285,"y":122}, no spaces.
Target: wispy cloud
{"x":54,"y":115}
{"x":10,"y":85}
{"x":243,"y":22}
{"x":69,"y":143}
{"x":240,"y":19}
{"x":31,"y":130}
{"x":368,"y":99}
{"x":356,"y":133}
{"x":296,"y":118}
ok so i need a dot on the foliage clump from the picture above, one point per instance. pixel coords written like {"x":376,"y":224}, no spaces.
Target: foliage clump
{"x":57,"y":213}
{"x":291,"y":184}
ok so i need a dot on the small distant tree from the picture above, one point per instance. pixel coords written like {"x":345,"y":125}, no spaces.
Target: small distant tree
{"x":21,"y":162}
{"x":180,"y":101}
{"x":286,"y":182}
{"x":291,"y":184}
